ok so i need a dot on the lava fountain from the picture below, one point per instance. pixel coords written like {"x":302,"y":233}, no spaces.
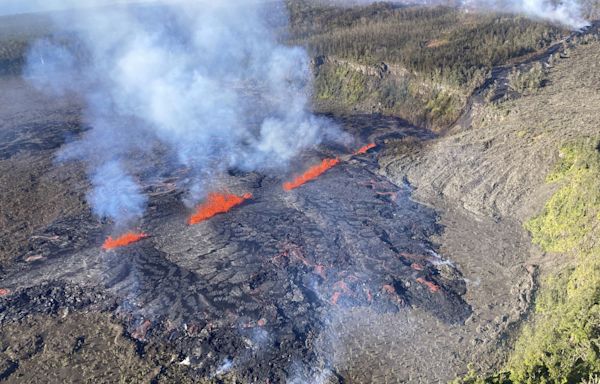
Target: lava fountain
{"x":311,"y":174}
{"x":122,"y":241}
{"x":215,"y":204}
{"x":364,"y":149}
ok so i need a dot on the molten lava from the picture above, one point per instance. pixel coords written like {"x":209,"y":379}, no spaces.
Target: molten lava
{"x":140,"y":332}
{"x":311,"y":174}
{"x":341,"y":288}
{"x":217,"y":203}
{"x":433,"y":288}
{"x":121,"y":241}
{"x":365,"y":149}
{"x":336,"y":296}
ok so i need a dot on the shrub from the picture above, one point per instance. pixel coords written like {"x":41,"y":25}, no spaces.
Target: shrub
{"x":529,"y":81}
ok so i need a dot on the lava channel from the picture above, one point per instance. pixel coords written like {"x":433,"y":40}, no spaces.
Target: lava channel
{"x":364,"y":149}
{"x":311,"y":174}
{"x":123,"y":240}
{"x":215,"y":204}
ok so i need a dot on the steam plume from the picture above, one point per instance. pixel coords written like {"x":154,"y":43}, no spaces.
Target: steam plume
{"x":206,"y":80}
{"x":565,"y":12}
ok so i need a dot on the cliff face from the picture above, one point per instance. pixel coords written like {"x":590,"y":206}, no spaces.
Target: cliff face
{"x":418,"y":63}
{"x":497,"y":165}
{"x":345,"y":86}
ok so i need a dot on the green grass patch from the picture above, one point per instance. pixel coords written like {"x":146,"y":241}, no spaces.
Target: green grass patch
{"x":443,"y":108}
{"x":342,"y":82}
{"x":572,"y":214}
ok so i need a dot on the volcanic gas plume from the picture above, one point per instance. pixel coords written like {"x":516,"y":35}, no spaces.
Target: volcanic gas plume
{"x":311,"y":174}
{"x":121,"y":241}
{"x":217,"y":203}
{"x":162,"y":75}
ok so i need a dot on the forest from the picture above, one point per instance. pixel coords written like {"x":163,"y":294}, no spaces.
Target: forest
{"x":440,"y":55}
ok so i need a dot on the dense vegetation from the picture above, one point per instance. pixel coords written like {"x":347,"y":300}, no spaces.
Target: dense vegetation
{"x":433,"y":57}
{"x":562,"y":343}
{"x":527,"y":81}
{"x":440,"y":41}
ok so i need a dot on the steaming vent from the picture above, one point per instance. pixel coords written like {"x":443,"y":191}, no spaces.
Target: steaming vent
{"x":205,"y":86}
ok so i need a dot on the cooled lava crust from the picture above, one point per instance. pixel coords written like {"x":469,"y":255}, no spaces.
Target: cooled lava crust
{"x":257,"y":286}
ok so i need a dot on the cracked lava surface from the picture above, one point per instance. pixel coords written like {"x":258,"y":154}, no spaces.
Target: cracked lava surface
{"x":257,"y":286}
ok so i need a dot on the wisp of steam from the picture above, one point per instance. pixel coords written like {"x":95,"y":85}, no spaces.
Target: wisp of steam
{"x":205,"y":81}
{"x":565,"y":12}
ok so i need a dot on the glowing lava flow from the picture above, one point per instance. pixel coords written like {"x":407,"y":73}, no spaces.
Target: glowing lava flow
{"x":121,"y":241}
{"x":311,"y":174}
{"x":217,"y":203}
{"x":364,"y":149}
{"x":433,"y":288}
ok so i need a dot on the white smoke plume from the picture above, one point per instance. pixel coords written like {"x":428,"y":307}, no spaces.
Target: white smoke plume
{"x":206,"y":80}
{"x":565,"y":12}
{"x":11,"y":7}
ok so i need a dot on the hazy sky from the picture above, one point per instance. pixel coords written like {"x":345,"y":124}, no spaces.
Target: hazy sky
{"x":8,"y":7}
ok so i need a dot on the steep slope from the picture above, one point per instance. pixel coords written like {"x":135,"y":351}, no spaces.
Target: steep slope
{"x":497,"y":166}
{"x":418,"y":63}
{"x":494,"y":171}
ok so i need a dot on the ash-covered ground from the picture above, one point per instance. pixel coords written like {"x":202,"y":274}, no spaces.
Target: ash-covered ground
{"x":257,"y":293}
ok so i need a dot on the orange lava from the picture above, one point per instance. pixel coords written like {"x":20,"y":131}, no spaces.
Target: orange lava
{"x":389,"y":289}
{"x":417,"y":267}
{"x":342,"y":286}
{"x":33,"y":258}
{"x":4,"y":292}
{"x":215,"y":204}
{"x":433,"y":288}
{"x":365,"y":149}
{"x":320,"y":270}
{"x":336,"y":296}
{"x":369,"y":295}
{"x":140,"y":332}
{"x":311,"y":174}
{"x":121,"y":241}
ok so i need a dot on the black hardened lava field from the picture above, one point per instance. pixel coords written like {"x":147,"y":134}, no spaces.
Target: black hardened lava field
{"x":253,"y":289}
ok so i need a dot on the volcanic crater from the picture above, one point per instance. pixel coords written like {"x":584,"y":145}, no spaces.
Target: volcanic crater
{"x":254,"y":290}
